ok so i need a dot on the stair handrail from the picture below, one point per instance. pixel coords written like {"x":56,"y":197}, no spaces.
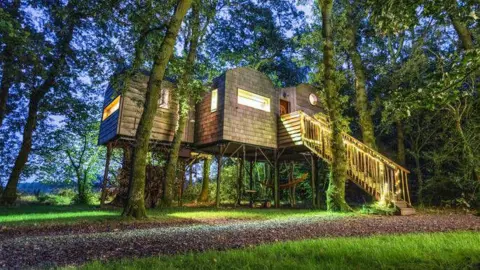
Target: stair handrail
{"x":396,"y":183}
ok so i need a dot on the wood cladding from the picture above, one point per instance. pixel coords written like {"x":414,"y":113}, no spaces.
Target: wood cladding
{"x":298,"y":96}
{"x":208,"y":124}
{"x":124,"y":122}
{"x":245,"y":124}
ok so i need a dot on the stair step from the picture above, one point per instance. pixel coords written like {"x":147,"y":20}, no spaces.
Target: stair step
{"x":407,"y":211}
{"x":401,"y":204}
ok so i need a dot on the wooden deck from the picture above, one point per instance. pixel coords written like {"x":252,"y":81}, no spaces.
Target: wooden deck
{"x":379,"y":176}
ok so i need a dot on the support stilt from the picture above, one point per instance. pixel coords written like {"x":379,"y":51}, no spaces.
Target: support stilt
{"x":219,"y":174}
{"x":251,"y":183}
{"x":315,"y":193}
{"x":275,"y":181}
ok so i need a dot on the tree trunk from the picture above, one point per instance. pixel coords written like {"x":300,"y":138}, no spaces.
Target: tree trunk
{"x":336,"y":189}
{"x":123,"y":178}
{"x":105,"y":175}
{"x":461,"y":29}
{"x":135,"y":206}
{"x":203,"y":197}
{"x":418,"y":171}
{"x":401,"y":154}
{"x":362,"y":107}
{"x":183,"y":96}
{"x":10,"y":194}
{"x":8,"y":67}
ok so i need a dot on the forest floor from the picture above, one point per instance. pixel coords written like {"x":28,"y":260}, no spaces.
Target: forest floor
{"x":45,"y":238}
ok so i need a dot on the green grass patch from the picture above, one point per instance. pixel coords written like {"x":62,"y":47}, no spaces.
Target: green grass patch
{"x":37,"y":214}
{"x":455,"y":250}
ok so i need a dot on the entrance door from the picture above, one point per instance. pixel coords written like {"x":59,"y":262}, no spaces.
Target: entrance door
{"x":284,"y":107}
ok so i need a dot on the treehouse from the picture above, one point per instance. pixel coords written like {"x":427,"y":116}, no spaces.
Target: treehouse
{"x":122,"y":113}
{"x":244,"y":116}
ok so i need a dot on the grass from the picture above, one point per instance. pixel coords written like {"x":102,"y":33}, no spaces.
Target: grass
{"x":455,"y":250}
{"x":28,"y":215}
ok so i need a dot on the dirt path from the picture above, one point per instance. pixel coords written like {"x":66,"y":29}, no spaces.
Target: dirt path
{"x":56,"y":250}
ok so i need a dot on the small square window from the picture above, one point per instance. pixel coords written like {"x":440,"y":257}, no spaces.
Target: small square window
{"x":214,"y":101}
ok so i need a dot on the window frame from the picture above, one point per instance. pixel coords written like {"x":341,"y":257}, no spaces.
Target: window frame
{"x":243,"y":95}
{"x":214,"y":101}
{"x":111,"y":108}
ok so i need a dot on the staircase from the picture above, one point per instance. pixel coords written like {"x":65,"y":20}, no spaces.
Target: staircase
{"x":376,"y":174}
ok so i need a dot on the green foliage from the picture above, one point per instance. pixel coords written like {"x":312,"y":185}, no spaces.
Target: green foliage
{"x":378,"y":209}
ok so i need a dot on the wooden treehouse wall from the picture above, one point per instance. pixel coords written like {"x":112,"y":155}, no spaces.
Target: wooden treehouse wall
{"x":124,"y":122}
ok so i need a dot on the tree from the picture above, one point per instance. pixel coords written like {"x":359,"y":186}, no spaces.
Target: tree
{"x":336,"y":188}
{"x":65,"y":31}
{"x":362,"y":104}
{"x":188,"y":92}
{"x":203,"y":197}
{"x":13,"y":37}
{"x":135,"y":206}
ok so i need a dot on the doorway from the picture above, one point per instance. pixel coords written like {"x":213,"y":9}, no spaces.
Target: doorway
{"x":284,"y":107}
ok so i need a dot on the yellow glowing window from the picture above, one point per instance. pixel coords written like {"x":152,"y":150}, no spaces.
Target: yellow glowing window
{"x":253,"y":100}
{"x":214,"y":101}
{"x":111,"y":108}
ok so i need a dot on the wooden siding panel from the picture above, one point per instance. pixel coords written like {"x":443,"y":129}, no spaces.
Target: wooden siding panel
{"x":109,"y":126}
{"x":302,"y":102}
{"x":165,"y":120}
{"x":245,"y":124}
{"x":208,"y":124}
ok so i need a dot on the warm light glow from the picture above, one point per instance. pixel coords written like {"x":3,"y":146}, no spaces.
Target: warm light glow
{"x":111,"y":108}
{"x":253,"y":100}
{"x":163,"y":100}
{"x":214,"y":101}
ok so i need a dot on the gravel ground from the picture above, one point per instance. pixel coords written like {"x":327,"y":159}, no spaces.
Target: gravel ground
{"x":23,"y":251}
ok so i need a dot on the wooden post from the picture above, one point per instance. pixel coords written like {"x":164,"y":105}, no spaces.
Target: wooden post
{"x":314,"y":180}
{"x":219,"y":175}
{"x":103,"y":197}
{"x":275,"y":181}
{"x":251,"y":183}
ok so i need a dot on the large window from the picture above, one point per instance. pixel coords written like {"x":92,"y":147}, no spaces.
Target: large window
{"x":111,"y":108}
{"x":253,"y":100}
{"x":214,"y":101}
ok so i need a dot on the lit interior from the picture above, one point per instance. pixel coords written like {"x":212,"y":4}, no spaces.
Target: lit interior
{"x":214,"y":101}
{"x":253,"y":100}
{"x":111,"y":108}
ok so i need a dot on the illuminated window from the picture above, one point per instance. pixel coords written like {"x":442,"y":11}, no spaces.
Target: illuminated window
{"x":163,"y":100}
{"x":253,"y":100}
{"x":313,"y":99}
{"x":111,"y":108}
{"x":214,"y":101}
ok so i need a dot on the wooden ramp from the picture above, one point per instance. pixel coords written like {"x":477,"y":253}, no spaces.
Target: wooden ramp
{"x":379,"y":176}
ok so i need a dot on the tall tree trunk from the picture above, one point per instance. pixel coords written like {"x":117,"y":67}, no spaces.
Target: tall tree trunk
{"x":136,"y":205}
{"x":103,"y":195}
{"x":183,"y":97}
{"x":418,"y":171}
{"x":362,"y":107}
{"x":401,"y":154}
{"x":8,"y":69}
{"x":336,"y":189}
{"x":10,"y":194}
{"x":241,"y":171}
{"x":203,"y":197}
{"x":461,"y":29}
